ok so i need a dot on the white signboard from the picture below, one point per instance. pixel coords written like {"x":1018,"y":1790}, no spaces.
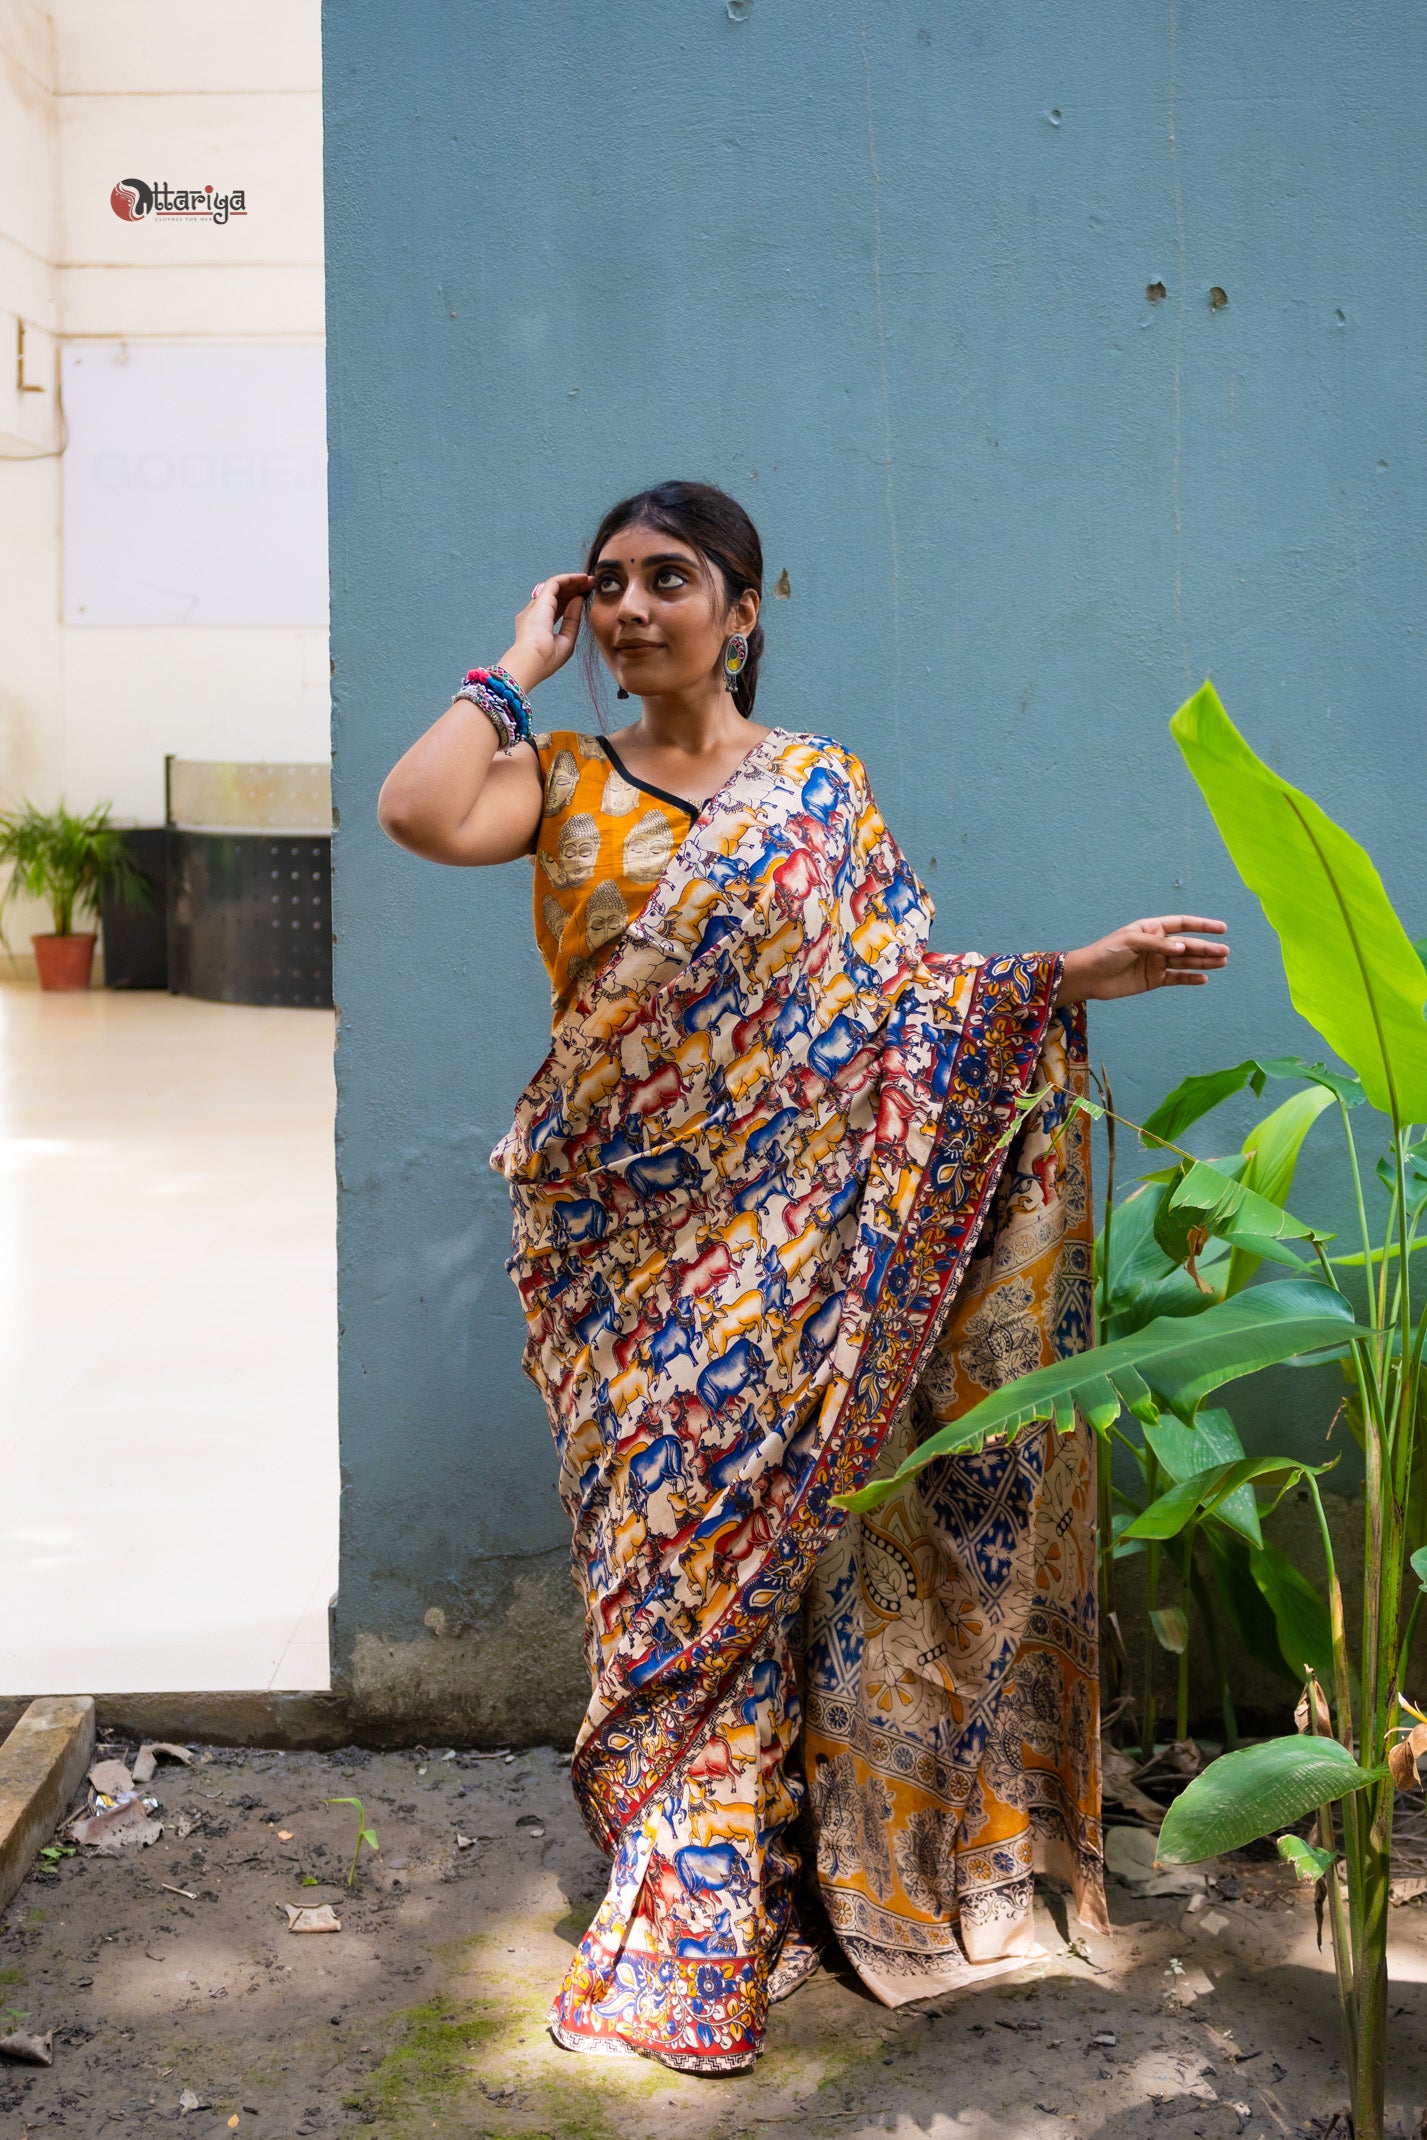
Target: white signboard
{"x":195,"y":483}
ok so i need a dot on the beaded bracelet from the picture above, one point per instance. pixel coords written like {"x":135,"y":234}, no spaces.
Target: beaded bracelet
{"x":494,"y":710}
{"x":503,"y":702}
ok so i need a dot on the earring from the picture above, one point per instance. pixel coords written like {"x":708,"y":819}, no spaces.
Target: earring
{"x":735,"y":654}
{"x":621,"y":692}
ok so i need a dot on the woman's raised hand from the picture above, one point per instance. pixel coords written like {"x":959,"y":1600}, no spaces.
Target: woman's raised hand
{"x":547,"y":628}
{"x":1143,"y":955}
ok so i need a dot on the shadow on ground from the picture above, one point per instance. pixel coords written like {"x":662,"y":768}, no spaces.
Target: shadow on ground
{"x":170,"y":1975}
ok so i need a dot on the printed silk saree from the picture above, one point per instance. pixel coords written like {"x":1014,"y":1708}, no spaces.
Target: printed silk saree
{"x":768,"y":1232}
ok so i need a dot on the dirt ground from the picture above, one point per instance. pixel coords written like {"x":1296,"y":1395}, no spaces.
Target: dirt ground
{"x":425,"y":2014}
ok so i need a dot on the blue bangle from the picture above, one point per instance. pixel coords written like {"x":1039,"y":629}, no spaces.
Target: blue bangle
{"x":506,"y":693}
{"x":501,"y":680}
{"x":495,"y":710}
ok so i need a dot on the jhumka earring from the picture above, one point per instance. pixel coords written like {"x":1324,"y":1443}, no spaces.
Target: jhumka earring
{"x":735,"y":654}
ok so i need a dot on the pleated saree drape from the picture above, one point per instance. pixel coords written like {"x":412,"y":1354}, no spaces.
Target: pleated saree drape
{"x":767,"y":1230}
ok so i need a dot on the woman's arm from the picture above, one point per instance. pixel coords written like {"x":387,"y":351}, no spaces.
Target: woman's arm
{"x":455,"y":796}
{"x":1141,"y":956}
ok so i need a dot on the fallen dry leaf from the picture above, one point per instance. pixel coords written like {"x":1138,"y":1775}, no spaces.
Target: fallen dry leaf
{"x":317,"y":1917}
{"x":233,"y":2123}
{"x":125,"y":1827}
{"x":284,"y":1835}
{"x":111,"y":1777}
{"x":28,"y":2050}
{"x":145,"y":1762}
{"x":1118,"y":1782}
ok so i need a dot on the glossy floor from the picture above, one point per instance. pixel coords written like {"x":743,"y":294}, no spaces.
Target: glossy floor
{"x":168,"y":1434}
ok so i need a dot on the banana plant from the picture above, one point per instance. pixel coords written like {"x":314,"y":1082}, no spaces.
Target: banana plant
{"x":1149,"y":1260}
{"x":1359,"y":980}
{"x":1184,"y":1313}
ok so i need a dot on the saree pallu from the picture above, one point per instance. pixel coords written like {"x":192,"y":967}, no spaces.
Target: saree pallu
{"x":748,"y":1184}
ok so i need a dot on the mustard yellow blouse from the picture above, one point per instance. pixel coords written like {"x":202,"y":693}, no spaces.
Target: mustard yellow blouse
{"x":604,"y":842}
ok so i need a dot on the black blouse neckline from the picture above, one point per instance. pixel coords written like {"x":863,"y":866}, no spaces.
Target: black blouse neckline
{"x":680,"y":802}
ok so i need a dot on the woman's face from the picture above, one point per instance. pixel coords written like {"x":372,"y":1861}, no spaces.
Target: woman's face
{"x":656,"y":610}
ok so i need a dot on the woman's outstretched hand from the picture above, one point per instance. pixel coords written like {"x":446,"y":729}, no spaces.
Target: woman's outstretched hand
{"x":1141,"y":956}
{"x":547,"y":628}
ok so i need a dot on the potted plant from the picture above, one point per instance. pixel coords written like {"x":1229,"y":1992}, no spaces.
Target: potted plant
{"x":67,"y":861}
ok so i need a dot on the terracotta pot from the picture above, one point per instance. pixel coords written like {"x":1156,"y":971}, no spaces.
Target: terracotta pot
{"x":64,"y":961}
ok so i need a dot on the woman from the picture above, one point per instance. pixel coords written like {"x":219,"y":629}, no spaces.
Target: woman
{"x":771,"y":1225}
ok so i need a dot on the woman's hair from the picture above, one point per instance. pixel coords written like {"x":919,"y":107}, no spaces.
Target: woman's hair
{"x":715,"y":525}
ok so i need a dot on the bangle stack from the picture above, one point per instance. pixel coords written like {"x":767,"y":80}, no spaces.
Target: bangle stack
{"x":503,"y":702}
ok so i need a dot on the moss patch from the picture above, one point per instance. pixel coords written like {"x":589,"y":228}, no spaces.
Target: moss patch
{"x":428,"y":2066}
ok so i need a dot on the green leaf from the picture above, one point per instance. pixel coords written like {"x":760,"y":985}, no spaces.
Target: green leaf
{"x":1242,"y":1599}
{"x":1143,"y":1281}
{"x":1172,"y":1363}
{"x":1301,"y":1618}
{"x":1273,"y":1146}
{"x":1197,"y":1095}
{"x":1166,"y":1517}
{"x":1136,"y":1258}
{"x":369,"y":1835}
{"x":1171,"y":1628}
{"x":1213,"y":1439}
{"x":1207,"y":1199}
{"x":1415,"y":1170}
{"x":1255,"y":1791}
{"x":1341,"y":1083}
{"x":1355,"y":1263}
{"x":1352,"y":970}
{"x":1308,"y":1863}
{"x":1257,"y":1248}
{"x":1237,"y":1337}
{"x":1418,"y":1565}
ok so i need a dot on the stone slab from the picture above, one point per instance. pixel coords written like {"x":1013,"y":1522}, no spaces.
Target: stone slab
{"x":42,"y":1764}
{"x":261,"y":1716}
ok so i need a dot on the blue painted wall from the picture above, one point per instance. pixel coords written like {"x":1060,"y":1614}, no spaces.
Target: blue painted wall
{"x":881,"y":270}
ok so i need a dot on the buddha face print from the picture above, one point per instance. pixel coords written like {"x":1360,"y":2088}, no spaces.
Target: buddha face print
{"x":555,"y":916}
{"x":606,"y":916}
{"x":560,"y":782}
{"x":647,"y":849}
{"x":619,"y":797}
{"x":577,"y":852}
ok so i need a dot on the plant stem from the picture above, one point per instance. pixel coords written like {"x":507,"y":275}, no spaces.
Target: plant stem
{"x":1147,"y":1717}
{"x":1389,"y":1449}
{"x":1342,"y":1677}
{"x":1103,"y":1446}
{"x":1342,"y":1952}
{"x":1204,"y":1599}
{"x":1181,"y":1704}
{"x":1370,"y":1967}
{"x":1405,"y":1653}
{"x":1358,"y":1194}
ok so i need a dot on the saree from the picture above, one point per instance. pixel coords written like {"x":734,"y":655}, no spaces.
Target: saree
{"x":770,"y":1225}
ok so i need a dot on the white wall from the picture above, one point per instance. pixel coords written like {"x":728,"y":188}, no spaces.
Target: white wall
{"x":190,"y":91}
